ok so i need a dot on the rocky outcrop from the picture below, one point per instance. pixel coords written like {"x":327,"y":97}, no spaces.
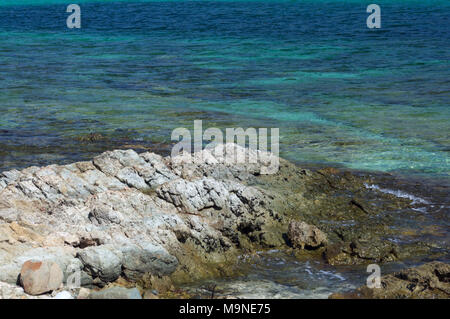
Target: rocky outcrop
{"x":147,"y":219}
{"x":430,"y":281}
{"x":131,"y":215}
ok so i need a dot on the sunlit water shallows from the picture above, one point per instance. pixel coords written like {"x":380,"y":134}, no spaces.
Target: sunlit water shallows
{"x":274,"y":274}
{"x":340,"y":93}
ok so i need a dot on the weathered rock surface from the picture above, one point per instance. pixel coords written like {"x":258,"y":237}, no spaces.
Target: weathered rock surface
{"x":83,"y":293}
{"x":131,"y":215}
{"x":144,"y":217}
{"x":12,"y":291}
{"x":431,"y":281}
{"x":149,"y":259}
{"x":304,"y":236}
{"x":38,"y":277}
{"x":116,"y":292}
{"x":102,"y":262}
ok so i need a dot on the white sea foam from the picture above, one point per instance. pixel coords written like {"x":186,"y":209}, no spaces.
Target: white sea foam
{"x":398,"y":193}
{"x":332,"y":274}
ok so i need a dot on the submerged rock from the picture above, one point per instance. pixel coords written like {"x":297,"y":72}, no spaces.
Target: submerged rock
{"x":431,"y":281}
{"x":91,"y":137}
{"x":348,"y":253}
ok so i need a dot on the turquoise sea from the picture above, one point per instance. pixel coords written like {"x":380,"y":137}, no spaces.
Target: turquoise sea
{"x":341,"y":94}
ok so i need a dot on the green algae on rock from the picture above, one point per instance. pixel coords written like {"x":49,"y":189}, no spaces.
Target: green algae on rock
{"x":430,"y":281}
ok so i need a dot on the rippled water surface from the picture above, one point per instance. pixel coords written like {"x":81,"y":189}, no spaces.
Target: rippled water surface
{"x":340,"y":92}
{"x":275,"y":274}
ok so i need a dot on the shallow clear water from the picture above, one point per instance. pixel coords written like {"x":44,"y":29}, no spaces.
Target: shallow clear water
{"x":275,"y":274}
{"x":279,"y":274}
{"x":339,"y":92}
